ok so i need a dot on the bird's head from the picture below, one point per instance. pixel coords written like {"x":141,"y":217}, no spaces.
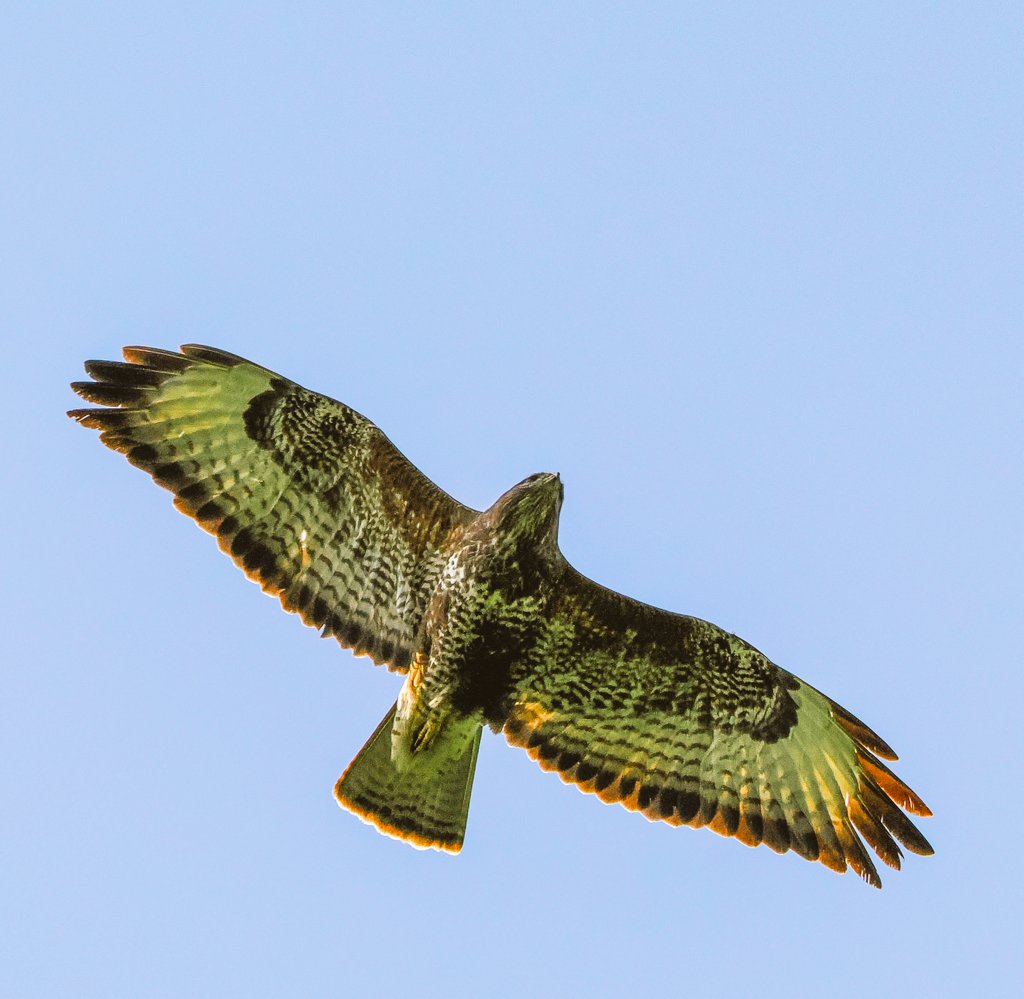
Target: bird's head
{"x":528,"y":512}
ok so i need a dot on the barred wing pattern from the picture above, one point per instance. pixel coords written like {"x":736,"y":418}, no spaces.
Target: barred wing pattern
{"x":308,"y":497}
{"x":675,"y":718}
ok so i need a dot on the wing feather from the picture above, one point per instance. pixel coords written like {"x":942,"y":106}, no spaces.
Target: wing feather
{"x":672,"y":717}
{"x":308,"y":497}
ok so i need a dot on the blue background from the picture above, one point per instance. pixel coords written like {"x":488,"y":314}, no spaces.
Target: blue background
{"x":749,"y":277}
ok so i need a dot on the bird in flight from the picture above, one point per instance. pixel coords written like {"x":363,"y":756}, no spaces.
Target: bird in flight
{"x":664,"y":713}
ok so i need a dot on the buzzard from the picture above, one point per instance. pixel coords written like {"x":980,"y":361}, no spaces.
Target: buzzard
{"x":666,"y":714}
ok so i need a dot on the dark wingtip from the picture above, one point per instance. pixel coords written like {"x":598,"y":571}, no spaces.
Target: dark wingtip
{"x":895,"y":788}
{"x":866,"y":736}
{"x":120,"y":373}
{"x":110,"y":394}
{"x":211,"y":355}
{"x":157,"y":359}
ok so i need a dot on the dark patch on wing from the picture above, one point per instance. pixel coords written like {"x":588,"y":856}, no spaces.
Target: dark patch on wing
{"x":306,"y":433}
{"x":257,"y":416}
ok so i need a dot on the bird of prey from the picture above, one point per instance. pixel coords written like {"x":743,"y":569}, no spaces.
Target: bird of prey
{"x":666,"y":714}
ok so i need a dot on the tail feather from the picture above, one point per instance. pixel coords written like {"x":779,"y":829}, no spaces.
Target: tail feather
{"x":426,"y":802}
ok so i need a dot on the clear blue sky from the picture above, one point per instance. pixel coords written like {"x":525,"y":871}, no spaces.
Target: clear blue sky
{"x":749,"y":278}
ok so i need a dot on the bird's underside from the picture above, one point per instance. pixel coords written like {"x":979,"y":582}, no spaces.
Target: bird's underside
{"x":666,"y":714}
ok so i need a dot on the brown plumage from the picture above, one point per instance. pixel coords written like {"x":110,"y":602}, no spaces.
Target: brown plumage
{"x":666,"y":714}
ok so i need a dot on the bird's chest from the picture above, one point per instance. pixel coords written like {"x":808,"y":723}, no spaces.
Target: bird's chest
{"x":483,"y":624}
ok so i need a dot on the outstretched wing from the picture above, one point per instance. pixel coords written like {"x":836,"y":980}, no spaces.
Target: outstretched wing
{"x":308,"y":497}
{"x":673,"y":717}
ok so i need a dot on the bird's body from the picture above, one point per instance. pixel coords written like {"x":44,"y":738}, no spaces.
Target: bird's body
{"x":665,"y":713}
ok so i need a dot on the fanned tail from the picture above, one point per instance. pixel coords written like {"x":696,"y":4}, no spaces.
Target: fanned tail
{"x":425,"y":803}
